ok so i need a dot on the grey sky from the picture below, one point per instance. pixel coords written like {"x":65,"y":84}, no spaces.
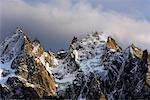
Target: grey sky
{"x":55,"y":22}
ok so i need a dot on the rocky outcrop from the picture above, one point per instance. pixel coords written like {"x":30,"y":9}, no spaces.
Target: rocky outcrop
{"x":148,"y":72}
{"x":126,"y":76}
{"x":111,"y":43}
{"x":31,"y":75}
{"x":136,"y":52}
{"x":74,"y":77}
{"x":95,"y":67}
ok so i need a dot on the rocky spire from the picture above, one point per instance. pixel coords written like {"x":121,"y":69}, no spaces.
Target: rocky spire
{"x":94,"y":67}
{"x":111,"y":43}
{"x":135,"y":51}
{"x":19,"y":29}
{"x":27,"y":69}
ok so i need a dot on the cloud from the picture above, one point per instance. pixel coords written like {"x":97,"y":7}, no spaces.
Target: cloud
{"x":57,"y":22}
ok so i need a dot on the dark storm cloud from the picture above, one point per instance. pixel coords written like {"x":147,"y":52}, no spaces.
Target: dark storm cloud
{"x":54,"y":23}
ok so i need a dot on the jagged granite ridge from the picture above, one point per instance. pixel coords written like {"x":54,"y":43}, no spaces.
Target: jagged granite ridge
{"x":25,"y":69}
{"x":95,"y":67}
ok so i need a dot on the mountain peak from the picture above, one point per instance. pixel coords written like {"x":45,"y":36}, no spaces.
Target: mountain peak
{"x":94,"y":67}
{"x":111,"y":43}
{"x":135,"y":51}
{"x":28,"y":65}
{"x":19,"y":29}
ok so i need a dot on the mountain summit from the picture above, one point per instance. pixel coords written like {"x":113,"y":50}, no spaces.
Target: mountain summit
{"x":95,"y":67}
{"x":25,"y":68}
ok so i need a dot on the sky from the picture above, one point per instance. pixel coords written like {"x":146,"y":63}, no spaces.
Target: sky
{"x":55,"y":22}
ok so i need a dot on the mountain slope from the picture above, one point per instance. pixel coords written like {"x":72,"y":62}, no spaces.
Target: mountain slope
{"x":95,"y":67}
{"x":25,"y":69}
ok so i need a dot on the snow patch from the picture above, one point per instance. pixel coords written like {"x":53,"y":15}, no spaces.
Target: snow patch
{"x":113,"y":50}
{"x":75,"y":52}
{"x":1,"y":71}
{"x":6,"y":66}
{"x":46,"y":64}
{"x":55,"y":62}
{"x":66,"y":79}
{"x":48,"y":68}
{"x":88,"y":57}
{"x":103,"y":37}
{"x":4,"y":79}
{"x":42,"y":59}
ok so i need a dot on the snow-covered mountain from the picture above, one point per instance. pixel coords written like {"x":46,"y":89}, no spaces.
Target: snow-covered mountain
{"x":25,"y":68}
{"x":94,"y":67}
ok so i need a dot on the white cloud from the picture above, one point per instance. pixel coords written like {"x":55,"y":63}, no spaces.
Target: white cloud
{"x":65,"y":19}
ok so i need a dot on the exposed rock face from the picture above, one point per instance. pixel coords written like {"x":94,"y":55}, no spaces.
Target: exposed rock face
{"x":94,"y":67}
{"x":29,"y":64}
{"x":74,"y":75}
{"x":136,"y":52}
{"x":128,"y":80}
{"x":148,"y":72}
{"x":111,"y":43}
